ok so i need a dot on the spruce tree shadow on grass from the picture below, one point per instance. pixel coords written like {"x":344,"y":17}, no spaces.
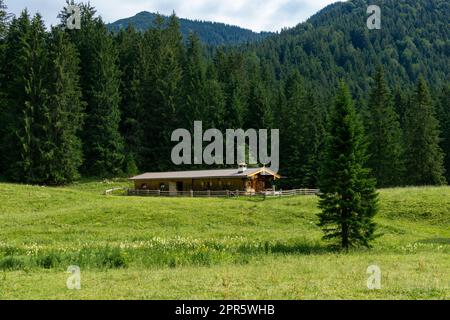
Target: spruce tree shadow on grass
{"x":300,"y":248}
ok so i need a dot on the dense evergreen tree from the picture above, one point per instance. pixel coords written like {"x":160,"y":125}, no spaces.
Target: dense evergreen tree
{"x":33,"y":131}
{"x":4,"y":17}
{"x":215,"y":100}
{"x":444,"y":118}
{"x":65,"y":112}
{"x":3,"y":33}
{"x":349,"y":200}
{"x":26,"y":100}
{"x":194,"y":85}
{"x":160,"y":93}
{"x":13,"y":67}
{"x":4,"y":20}
{"x":312,"y":128}
{"x":231,"y":74}
{"x":424,"y":157}
{"x":259,"y":114}
{"x":301,"y":122}
{"x":40,"y":75}
{"x":384,"y":135}
{"x":128,"y":43}
{"x":289,"y":114}
{"x":42,"y":144}
{"x":259,"y":103}
{"x":401,"y":104}
{"x":100,"y":80}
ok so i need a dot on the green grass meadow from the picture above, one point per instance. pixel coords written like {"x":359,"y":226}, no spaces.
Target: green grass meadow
{"x":207,"y":248}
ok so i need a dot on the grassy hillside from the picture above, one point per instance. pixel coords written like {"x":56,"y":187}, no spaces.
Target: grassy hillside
{"x":148,"y":248}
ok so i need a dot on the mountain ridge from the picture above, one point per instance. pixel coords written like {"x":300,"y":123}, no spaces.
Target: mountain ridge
{"x":209,"y":32}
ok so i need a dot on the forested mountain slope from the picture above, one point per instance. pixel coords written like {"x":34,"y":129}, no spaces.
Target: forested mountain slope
{"x":335,"y":43}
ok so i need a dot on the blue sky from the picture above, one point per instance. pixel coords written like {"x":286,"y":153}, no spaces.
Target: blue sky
{"x":269,"y":15}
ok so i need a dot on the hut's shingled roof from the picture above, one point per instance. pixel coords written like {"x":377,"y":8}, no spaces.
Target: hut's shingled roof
{"x":202,"y":174}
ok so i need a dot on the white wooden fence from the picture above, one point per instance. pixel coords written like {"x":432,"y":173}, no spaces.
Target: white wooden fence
{"x":217,"y":194}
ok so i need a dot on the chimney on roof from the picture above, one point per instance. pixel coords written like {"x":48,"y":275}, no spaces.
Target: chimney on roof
{"x":242,"y":168}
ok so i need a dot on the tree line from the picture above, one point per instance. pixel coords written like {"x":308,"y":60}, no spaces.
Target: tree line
{"x":93,"y":103}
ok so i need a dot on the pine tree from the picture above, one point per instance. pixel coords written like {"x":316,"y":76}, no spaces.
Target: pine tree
{"x":4,"y":18}
{"x":384,"y":135}
{"x":173,"y":38}
{"x":444,"y":118}
{"x":348,"y":200}
{"x":103,"y":143}
{"x":401,"y":104}
{"x":3,"y":32}
{"x":215,"y":100}
{"x":33,"y":133}
{"x":259,"y":109}
{"x":100,"y":79}
{"x":259,"y":114}
{"x":160,"y":93}
{"x":302,"y":128}
{"x":312,"y":128}
{"x":13,"y":68}
{"x":65,"y":112}
{"x":291,"y":138}
{"x":424,"y":157}
{"x":194,"y":79}
{"x":231,"y":74}
{"x":26,"y":98}
{"x":128,"y":42}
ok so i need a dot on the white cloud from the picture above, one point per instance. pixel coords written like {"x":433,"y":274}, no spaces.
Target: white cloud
{"x":269,"y":15}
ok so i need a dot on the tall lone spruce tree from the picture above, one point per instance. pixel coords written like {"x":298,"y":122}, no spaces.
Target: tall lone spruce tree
{"x":349,"y":199}
{"x":424,"y":157}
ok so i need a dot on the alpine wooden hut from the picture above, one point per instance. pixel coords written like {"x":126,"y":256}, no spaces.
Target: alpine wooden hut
{"x":241,"y":179}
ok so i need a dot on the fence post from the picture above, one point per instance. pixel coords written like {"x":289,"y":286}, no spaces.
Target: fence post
{"x":228,"y":193}
{"x":209,"y":193}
